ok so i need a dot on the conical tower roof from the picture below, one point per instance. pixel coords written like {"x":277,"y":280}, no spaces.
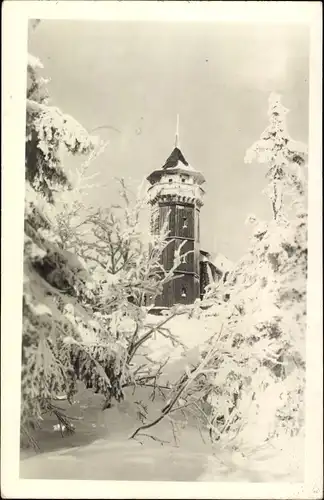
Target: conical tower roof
{"x":176,"y":163}
{"x":175,"y":157}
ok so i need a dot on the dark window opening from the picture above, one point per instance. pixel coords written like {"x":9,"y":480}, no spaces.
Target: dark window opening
{"x":183,"y":292}
{"x":170,"y":180}
{"x":184,"y":223}
{"x":155,"y":221}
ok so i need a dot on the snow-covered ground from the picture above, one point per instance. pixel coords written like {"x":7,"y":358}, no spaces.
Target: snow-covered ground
{"x":101,"y":448}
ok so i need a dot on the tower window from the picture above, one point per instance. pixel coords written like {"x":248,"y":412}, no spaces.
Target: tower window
{"x":155,"y":220}
{"x":170,"y":180}
{"x":184,"y":223}
{"x":183,"y":292}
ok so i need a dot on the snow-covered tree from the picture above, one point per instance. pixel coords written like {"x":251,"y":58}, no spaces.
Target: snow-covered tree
{"x":285,"y":159}
{"x":125,"y":264}
{"x":61,"y":342}
{"x":258,"y":389}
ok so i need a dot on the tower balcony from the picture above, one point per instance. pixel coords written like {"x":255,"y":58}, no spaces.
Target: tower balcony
{"x":176,"y":191}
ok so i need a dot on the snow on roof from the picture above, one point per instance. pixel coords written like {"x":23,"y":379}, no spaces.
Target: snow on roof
{"x":182,"y":167}
{"x":218,"y":260}
{"x":177,"y":160}
{"x":173,"y":160}
{"x":221,"y":262}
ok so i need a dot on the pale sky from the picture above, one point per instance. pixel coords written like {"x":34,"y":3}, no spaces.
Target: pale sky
{"x":136,"y":77}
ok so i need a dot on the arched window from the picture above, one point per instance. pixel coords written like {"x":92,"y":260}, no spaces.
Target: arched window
{"x":183,"y":292}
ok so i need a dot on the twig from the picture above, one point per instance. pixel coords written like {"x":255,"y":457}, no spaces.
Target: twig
{"x":185,"y":381}
{"x":30,"y":438}
{"x":200,"y":432}
{"x":154,"y":438}
{"x":134,"y":336}
{"x":174,"y":432}
{"x":134,"y":347}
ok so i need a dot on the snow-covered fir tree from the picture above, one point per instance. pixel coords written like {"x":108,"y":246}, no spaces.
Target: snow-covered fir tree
{"x":61,"y":342}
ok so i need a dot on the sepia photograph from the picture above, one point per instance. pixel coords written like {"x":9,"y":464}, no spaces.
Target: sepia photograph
{"x":165,"y":253}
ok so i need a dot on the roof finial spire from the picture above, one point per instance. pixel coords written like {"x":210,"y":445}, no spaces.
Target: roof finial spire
{"x":177,"y":142}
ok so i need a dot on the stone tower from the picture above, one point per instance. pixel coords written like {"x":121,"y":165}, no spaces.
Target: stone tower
{"x":175,"y":192}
